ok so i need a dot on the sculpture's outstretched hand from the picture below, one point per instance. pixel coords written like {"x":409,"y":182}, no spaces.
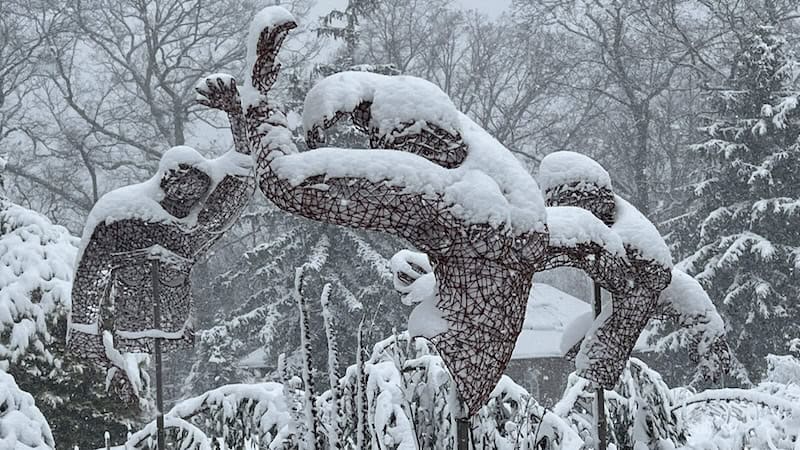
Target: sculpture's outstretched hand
{"x":219,"y":92}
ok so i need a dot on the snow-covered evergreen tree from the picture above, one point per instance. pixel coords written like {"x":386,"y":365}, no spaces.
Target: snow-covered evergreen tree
{"x":22,"y":425}
{"x":259,"y":316}
{"x":745,"y":248}
{"x":36,"y":268}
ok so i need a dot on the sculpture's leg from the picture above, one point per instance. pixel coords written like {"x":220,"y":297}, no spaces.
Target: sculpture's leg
{"x":606,"y":350}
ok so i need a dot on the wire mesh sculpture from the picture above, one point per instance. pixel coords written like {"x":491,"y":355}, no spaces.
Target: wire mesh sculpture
{"x":485,"y":267}
{"x":636,"y":278}
{"x":436,"y":179}
{"x":154,"y":232}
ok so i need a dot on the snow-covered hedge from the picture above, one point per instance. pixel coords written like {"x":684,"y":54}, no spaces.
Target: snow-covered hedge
{"x":767,"y":416}
{"x":401,"y":397}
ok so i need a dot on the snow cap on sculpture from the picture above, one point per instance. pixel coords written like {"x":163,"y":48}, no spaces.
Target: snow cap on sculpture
{"x":565,"y":167}
{"x":638,"y":233}
{"x":278,"y":21}
{"x":394,"y":100}
{"x":571,"y":226}
{"x":573,"y":179}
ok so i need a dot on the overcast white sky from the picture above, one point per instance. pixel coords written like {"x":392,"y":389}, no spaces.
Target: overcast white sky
{"x":492,"y":8}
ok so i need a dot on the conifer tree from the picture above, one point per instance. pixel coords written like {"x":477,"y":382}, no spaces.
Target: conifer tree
{"x":745,"y":245}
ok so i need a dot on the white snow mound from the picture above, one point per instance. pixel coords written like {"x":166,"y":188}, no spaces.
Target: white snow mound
{"x":566,"y":167}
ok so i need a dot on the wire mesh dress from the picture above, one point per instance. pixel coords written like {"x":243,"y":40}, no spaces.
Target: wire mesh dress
{"x":174,"y":219}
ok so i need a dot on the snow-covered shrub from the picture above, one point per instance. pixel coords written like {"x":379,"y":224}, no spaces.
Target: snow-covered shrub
{"x":767,"y":416}
{"x":411,"y":400}
{"x":36,"y":260}
{"x":638,"y":410}
{"x":237,"y":413}
{"x":401,"y":397}
{"x":36,"y":269}
{"x":22,"y":425}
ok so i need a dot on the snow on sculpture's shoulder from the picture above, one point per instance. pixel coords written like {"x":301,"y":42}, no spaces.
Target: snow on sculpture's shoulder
{"x":639,"y":233}
{"x":570,"y":226}
{"x":22,"y":425}
{"x":141,"y":200}
{"x":565,"y":167}
{"x":396,"y":100}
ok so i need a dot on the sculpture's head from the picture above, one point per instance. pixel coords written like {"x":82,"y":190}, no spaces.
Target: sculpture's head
{"x":183,"y":182}
{"x":572,"y":179}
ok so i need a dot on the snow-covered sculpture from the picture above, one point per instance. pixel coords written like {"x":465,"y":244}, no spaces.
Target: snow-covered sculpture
{"x":635,"y":278}
{"x":440,"y":181}
{"x":624,"y":252}
{"x":436,"y":179}
{"x":617,"y":246}
{"x":159,"y":227}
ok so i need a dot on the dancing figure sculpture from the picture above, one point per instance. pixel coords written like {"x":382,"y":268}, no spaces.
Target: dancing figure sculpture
{"x":132,"y":282}
{"x":435,"y":179}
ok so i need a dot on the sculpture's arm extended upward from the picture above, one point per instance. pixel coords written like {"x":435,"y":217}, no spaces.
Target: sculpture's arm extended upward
{"x":231,"y":194}
{"x":367,"y":190}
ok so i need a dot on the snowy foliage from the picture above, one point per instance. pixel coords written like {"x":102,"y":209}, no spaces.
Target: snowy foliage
{"x":22,"y":425}
{"x":254,"y":324}
{"x":766,"y":416}
{"x":36,"y":260}
{"x":408,"y":400}
{"x":745,"y":247}
{"x":638,"y":410}
{"x":235,"y":412}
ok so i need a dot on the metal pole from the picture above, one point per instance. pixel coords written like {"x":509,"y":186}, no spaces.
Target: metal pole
{"x":157,"y":350}
{"x":462,"y":433}
{"x":600,"y":400}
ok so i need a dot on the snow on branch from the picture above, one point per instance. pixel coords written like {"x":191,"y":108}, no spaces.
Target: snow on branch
{"x":22,"y":425}
{"x":234,"y":412}
{"x":745,"y":396}
{"x":190,"y":437}
{"x":36,"y":269}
